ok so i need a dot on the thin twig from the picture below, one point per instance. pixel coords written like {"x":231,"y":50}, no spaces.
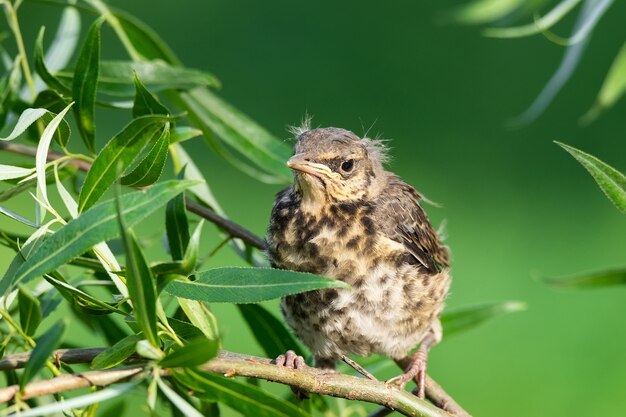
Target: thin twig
{"x":232,"y":364}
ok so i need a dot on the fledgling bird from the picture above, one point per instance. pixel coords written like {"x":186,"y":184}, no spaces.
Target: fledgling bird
{"x":348,"y":218}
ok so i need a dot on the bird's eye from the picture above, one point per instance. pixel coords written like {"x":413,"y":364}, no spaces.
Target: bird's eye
{"x":347,"y":165}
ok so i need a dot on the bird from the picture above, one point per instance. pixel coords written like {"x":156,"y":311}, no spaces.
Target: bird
{"x":346,"y":217}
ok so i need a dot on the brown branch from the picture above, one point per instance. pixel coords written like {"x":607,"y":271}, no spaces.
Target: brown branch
{"x":434,"y":392}
{"x":231,"y":364}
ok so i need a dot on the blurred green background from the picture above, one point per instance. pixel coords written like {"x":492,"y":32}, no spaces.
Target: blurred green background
{"x":517,"y":206}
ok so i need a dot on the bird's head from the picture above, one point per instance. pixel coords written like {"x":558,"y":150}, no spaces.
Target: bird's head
{"x":335,"y":165}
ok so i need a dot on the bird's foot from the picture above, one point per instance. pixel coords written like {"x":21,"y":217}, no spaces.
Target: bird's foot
{"x":358,"y":368}
{"x":291,"y":360}
{"x":417,"y":370}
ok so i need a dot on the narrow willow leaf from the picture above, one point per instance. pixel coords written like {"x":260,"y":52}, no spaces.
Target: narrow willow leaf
{"x":93,"y":226}
{"x":41,"y":158}
{"x":612,"y":89}
{"x":62,"y":133}
{"x":9,"y":88}
{"x":177,"y":224}
{"x":139,"y":280}
{"x":43,"y":349}
{"x":27,"y":118}
{"x":184,"y":133}
{"x":43,"y":71}
{"x":27,"y":183}
{"x":80,"y":300}
{"x":17,"y":217}
{"x":269,"y":332}
{"x":148,"y":350}
{"x":194,"y":353}
{"x":150,"y":168}
{"x":465,"y":318}
{"x":217,"y":118}
{"x":201,"y":317}
{"x":116,"y":77}
{"x":30,"y":311}
{"x":8,"y":172}
{"x":64,"y":43}
{"x":145,"y":40}
{"x":50,"y":100}
{"x":588,"y":17}
{"x":190,"y":258}
{"x":184,"y":330}
{"x":591,"y":280}
{"x":85,"y":83}
{"x":145,"y":103}
{"x":121,"y":151}
{"x":611,"y":181}
{"x":68,"y":200}
{"x":245,"y":398}
{"x":483,"y":11}
{"x":29,"y":247}
{"x":66,"y":405}
{"x":116,"y":354}
{"x":248,"y":285}
{"x":539,"y":25}
{"x":185,"y":408}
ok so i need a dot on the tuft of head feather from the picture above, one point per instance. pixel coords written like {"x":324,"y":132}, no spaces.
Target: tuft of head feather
{"x":305,"y":126}
{"x":377,"y":148}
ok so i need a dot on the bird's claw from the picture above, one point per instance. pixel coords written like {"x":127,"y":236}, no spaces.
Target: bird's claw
{"x":290,"y":360}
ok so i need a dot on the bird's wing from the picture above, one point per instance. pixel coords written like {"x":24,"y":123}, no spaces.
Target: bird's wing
{"x":406,"y":222}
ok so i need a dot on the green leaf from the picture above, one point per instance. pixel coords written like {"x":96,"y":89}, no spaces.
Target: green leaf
{"x":145,"y":40}
{"x":245,"y":398}
{"x":611,"y":181}
{"x":268,"y":331}
{"x":465,"y":318}
{"x":184,"y":330}
{"x":145,"y":103}
{"x":148,"y":171}
{"x":66,"y":405}
{"x":116,"y":354}
{"x":177,"y":224}
{"x":27,"y":118}
{"x":116,"y":77}
{"x":140,"y":282}
{"x":9,"y":90}
{"x":29,"y":247}
{"x":540,"y":25}
{"x":9,"y":213}
{"x":195,"y":353}
{"x":42,"y":70}
{"x":91,"y":227}
{"x":30,"y":311}
{"x":148,"y":350}
{"x":248,"y":285}
{"x":80,"y":300}
{"x":483,"y":11}
{"x":190,"y":259}
{"x":8,"y":172}
{"x":62,"y":133}
{"x":184,"y":133}
{"x":43,"y":349}
{"x":50,"y":100}
{"x":612,"y":89}
{"x":85,"y":83}
{"x":200,"y":316}
{"x":591,"y":280}
{"x":217,"y":118}
{"x":185,"y":408}
{"x":121,"y":151}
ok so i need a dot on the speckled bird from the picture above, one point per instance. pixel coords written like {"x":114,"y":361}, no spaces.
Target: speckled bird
{"x":348,"y":218}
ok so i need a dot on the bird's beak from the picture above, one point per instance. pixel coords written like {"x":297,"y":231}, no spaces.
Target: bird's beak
{"x":299,"y":163}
